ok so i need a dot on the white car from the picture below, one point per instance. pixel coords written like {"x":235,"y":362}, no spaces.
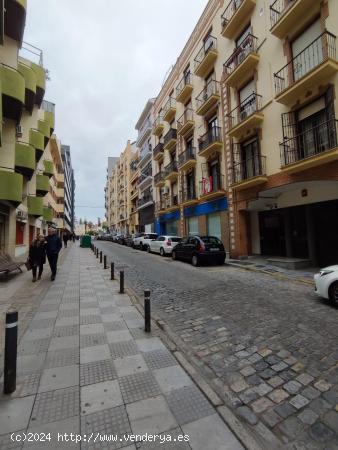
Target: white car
{"x":327,"y":283}
{"x":143,"y":241}
{"x":164,"y":245}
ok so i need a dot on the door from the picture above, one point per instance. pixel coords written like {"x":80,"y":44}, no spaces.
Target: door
{"x":250,"y":159}
{"x":214,"y":171}
{"x":214,"y":225}
{"x":272,"y":233}
{"x":313,"y":137}
{"x":307,"y":51}
{"x":190,"y":178}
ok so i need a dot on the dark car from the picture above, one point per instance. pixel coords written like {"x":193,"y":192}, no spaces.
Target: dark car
{"x":129,"y":242}
{"x":199,"y":249}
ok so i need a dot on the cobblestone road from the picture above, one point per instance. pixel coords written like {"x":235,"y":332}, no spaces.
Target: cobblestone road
{"x":268,"y":346}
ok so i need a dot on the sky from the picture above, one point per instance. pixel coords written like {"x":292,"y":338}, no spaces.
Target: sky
{"x":105,"y":59}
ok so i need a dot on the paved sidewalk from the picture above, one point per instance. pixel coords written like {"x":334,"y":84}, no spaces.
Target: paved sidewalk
{"x":86,"y":367}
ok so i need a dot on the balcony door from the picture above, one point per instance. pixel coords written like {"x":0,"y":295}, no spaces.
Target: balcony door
{"x":250,"y":159}
{"x":244,"y":45}
{"x":313,"y":129}
{"x":215,"y":174}
{"x":212,"y":126}
{"x":247,"y":100}
{"x":190,"y":180}
{"x":307,"y":50}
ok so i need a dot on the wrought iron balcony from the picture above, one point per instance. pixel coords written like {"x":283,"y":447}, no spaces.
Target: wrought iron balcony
{"x":249,"y":172}
{"x":158,"y":151}
{"x":184,"y":88}
{"x":245,"y":116}
{"x":313,"y":65}
{"x":208,"y":97}
{"x":211,"y":186}
{"x":206,"y":57}
{"x":170,"y":171}
{"x":158,"y":126}
{"x":311,"y":148}
{"x":169,"y":110}
{"x":242,"y":62}
{"x":210,"y":142}
{"x":159,"y":178}
{"x":188,"y":195}
{"x":145,"y":200}
{"x":236,"y":12}
{"x":170,"y":139}
{"x":187,"y":158}
{"x":186,"y":122}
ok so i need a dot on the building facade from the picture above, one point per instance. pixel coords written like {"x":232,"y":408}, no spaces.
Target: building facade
{"x":26,"y":126}
{"x":145,"y":168}
{"x":245,"y":135}
{"x":69,"y":188}
{"x":112,"y":160}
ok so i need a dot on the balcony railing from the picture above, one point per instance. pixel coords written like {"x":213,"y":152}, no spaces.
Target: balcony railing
{"x":48,"y":106}
{"x":211,"y":184}
{"x":168,"y":202}
{"x":144,"y":200}
{"x":186,"y":80}
{"x":277,"y":9}
{"x":249,"y":45}
{"x":158,"y":177}
{"x":249,"y":106}
{"x":211,"y":136}
{"x":171,"y":103}
{"x":230,"y":11}
{"x":187,"y":116}
{"x":187,"y":155}
{"x":209,"y":44}
{"x":314,"y":141}
{"x":212,"y":88}
{"x":172,"y":134}
{"x":172,"y":167}
{"x":143,"y":131}
{"x":188,"y":194}
{"x":158,"y":150}
{"x":312,"y":56}
{"x":248,"y":168}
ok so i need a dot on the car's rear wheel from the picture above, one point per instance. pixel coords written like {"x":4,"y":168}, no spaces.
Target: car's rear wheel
{"x":173,"y":255}
{"x":333,"y":293}
{"x":195,"y":260}
{"x":148,"y":248}
{"x":162,"y":253}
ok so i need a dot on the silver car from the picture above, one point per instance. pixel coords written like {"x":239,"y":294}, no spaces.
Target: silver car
{"x":164,"y":244}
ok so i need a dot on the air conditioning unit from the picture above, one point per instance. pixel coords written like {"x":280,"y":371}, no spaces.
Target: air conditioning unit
{"x":18,"y":131}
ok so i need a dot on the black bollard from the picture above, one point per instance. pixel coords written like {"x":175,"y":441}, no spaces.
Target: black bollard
{"x":97,"y":253}
{"x":105,"y":261}
{"x":101,"y":257}
{"x":147,"y":311}
{"x":121,"y":281}
{"x":112,"y":275}
{"x":11,"y":341}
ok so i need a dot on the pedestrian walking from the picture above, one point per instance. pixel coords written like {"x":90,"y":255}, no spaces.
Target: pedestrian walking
{"x":65,"y":239}
{"x":37,"y":256}
{"x":53,"y":247}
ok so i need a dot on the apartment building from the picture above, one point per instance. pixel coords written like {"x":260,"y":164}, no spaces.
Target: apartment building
{"x":112,"y":160}
{"x":279,"y":96}
{"x":245,"y":135}
{"x":119,"y":191}
{"x":26,"y":125}
{"x":145,"y":168}
{"x":189,"y":158}
{"x":69,"y":188}
{"x":134,"y":224}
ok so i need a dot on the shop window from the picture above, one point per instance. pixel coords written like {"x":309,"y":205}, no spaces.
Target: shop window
{"x":20,"y":232}
{"x":192,"y":226}
{"x":214,"y":225}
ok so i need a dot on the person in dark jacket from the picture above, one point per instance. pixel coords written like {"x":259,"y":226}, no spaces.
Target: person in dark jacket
{"x":65,"y":239}
{"x":37,"y":256}
{"x":53,"y":247}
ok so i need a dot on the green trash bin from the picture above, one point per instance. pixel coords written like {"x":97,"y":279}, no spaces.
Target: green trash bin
{"x":86,"y":241}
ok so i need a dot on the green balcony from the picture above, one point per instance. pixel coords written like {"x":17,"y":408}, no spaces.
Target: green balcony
{"x":30,"y":84}
{"x":40,"y":82}
{"x":50,"y":118}
{"x":35,"y":206}
{"x":15,"y":18}
{"x":13,"y":92}
{"x":44,"y":127}
{"x":25,"y":159}
{"x":11,"y":187}
{"x":42,"y":185}
{"x":47,"y":214}
{"x":48,"y":168}
{"x":37,"y":140}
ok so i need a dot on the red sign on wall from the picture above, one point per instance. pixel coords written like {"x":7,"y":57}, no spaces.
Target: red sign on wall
{"x":206,"y":185}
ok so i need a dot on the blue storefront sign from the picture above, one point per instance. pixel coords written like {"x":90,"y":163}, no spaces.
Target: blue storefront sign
{"x":161,"y":221}
{"x":206,"y":208}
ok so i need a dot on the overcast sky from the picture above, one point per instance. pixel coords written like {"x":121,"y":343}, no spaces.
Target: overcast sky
{"x":106,"y":58}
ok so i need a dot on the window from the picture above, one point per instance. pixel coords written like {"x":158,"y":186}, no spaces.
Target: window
{"x":192,"y":225}
{"x":214,"y":225}
{"x":190,"y":179}
{"x":214,"y":171}
{"x":251,"y":163}
{"x":303,"y":63}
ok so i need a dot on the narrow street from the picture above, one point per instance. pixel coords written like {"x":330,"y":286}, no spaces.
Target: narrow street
{"x":269,"y":347}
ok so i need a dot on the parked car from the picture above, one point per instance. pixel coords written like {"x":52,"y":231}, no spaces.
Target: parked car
{"x":116,"y":238}
{"x":326,"y":281}
{"x":198,"y":249}
{"x":129,"y":241}
{"x":136,"y":240}
{"x":143,"y":242}
{"x":164,"y":245}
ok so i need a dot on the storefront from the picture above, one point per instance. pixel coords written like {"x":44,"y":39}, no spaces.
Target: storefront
{"x":168,"y":223}
{"x":146,"y":218}
{"x":209,"y":218}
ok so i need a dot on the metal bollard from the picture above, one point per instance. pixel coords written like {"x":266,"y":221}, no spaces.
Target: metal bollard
{"x":11,"y":342}
{"x":97,"y":253}
{"x":112,"y":275}
{"x":101,"y":257}
{"x":147,"y":319}
{"x":121,"y":281}
{"x":105,"y":261}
